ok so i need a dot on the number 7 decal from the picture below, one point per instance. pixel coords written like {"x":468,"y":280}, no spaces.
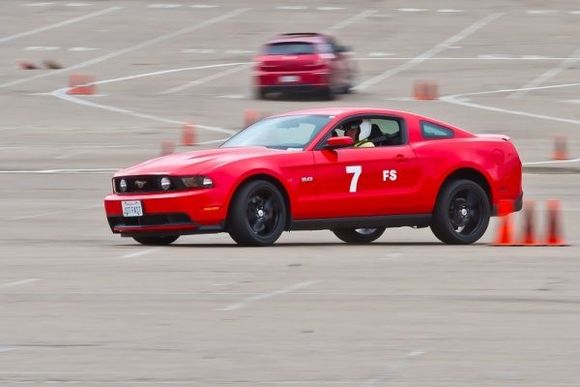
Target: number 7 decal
{"x":356,"y":170}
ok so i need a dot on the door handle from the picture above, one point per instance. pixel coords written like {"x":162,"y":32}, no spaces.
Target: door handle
{"x":400,"y":158}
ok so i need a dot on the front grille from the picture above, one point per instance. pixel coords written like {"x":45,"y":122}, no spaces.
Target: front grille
{"x":146,"y":184}
{"x":149,"y":220}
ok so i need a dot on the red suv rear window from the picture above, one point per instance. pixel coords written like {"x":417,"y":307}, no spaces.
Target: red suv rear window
{"x":290,"y":48}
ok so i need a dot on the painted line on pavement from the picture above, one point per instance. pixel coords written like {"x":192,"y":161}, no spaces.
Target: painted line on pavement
{"x":460,"y":99}
{"x":429,"y":53}
{"x":567,"y":63}
{"x":57,"y":171}
{"x":264,"y":296}
{"x":135,"y":47}
{"x":377,"y":56}
{"x":61,"y":24}
{"x":389,"y":372}
{"x":140,"y":253}
{"x":203,"y":80}
{"x":62,"y":94}
{"x":19,"y":283}
{"x":568,"y":161}
{"x":345,"y":23}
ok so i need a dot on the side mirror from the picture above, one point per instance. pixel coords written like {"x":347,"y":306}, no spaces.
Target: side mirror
{"x":339,"y":142}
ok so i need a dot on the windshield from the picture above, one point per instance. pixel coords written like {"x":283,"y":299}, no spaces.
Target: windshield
{"x":288,"y":132}
{"x":290,"y":48}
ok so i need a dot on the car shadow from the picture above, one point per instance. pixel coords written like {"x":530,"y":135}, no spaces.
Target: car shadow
{"x":305,"y":244}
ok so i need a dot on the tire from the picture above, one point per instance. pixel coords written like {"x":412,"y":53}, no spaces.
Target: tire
{"x":156,"y":240}
{"x":462,"y":213}
{"x":359,"y":236}
{"x":260,"y":93}
{"x":257,"y":214}
{"x":328,"y":93}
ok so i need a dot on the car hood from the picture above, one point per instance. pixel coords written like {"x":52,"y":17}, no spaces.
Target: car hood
{"x":195,"y":162}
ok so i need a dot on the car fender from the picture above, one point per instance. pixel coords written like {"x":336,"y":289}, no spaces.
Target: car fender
{"x":242,"y":175}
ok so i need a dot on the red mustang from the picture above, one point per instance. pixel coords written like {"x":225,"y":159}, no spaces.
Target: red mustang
{"x":355,"y":171}
{"x":303,"y":62}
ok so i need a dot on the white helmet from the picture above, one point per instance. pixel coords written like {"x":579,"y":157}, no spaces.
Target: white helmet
{"x":365,"y":130}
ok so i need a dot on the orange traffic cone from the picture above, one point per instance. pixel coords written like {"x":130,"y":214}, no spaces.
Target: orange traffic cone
{"x":188,"y":135}
{"x":425,"y":90}
{"x":250,"y":116}
{"x":528,"y":237}
{"x":560,"y":148}
{"x":81,"y":84}
{"x":554,"y":238}
{"x":167,"y":148}
{"x":504,"y":236}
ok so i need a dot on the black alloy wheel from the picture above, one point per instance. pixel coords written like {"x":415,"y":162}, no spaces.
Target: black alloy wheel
{"x":258,"y":214}
{"x":462,"y":213}
{"x":359,"y":235}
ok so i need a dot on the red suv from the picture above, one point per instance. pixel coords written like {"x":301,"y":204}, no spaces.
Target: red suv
{"x":303,"y":62}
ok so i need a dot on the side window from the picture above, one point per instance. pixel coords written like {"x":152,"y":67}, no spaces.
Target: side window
{"x":325,"y":48}
{"x":386,"y":131}
{"x":333,"y":45}
{"x":434,"y":131}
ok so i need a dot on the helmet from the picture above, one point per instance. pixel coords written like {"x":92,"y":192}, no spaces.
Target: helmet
{"x":365,"y":129}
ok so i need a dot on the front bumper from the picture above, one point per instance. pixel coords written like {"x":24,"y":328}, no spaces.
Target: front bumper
{"x":170,"y":213}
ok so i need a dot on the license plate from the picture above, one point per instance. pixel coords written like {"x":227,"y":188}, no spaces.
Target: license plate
{"x":289,"y":78}
{"x":132,"y":208}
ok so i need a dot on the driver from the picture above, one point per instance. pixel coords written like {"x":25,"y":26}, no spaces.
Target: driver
{"x":360,"y":130}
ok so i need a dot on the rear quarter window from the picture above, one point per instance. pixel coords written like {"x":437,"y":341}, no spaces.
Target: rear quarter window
{"x":434,"y":131}
{"x":290,"y":48}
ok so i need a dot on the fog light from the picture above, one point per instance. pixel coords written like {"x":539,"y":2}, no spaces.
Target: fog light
{"x":123,"y":185}
{"x":165,"y":183}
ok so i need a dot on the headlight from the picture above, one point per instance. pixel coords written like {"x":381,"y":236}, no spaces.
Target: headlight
{"x":197,"y":182}
{"x":165,"y":183}
{"x":123,"y":185}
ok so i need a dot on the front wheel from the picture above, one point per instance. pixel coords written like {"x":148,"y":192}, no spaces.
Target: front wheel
{"x":462,"y":213}
{"x":258,"y":214}
{"x":156,"y":240}
{"x":359,"y":235}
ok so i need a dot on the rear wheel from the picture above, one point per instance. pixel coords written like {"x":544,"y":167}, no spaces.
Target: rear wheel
{"x":462,"y":213}
{"x":328,"y":93}
{"x":359,"y":235}
{"x":260,"y":93}
{"x":156,"y":240}
{"x":258,"y":214}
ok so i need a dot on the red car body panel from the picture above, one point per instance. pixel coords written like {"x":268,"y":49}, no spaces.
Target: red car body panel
{"x":422,"y":166}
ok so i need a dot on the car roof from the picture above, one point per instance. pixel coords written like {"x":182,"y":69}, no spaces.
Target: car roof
{"x":311,"y":37}
{"x":341,"y":112}
{"x":345,"y":111}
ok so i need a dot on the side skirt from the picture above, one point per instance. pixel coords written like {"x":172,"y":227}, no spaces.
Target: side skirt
{"x":418,"y":220}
